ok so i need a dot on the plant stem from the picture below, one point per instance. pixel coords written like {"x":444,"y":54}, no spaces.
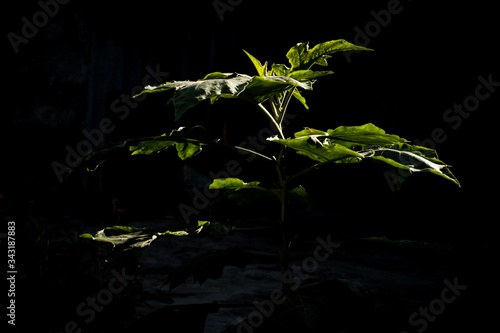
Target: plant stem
{"x":284,"y":253}
{"x":280,"y":109}
{"x":278,"y":127}
{"x":252,"y":152}
{"x":275,"y":107}
{"x":284,"y":105}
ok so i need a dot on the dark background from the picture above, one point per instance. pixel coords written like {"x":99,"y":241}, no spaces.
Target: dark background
{"x":426,"y":59}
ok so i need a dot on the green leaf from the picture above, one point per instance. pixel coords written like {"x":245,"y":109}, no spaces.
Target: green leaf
{"x":127,"y":238}
{"x":124,"y":237}
{"x":411,"y":159}
{"x":363,"y":136}
{"x":190,"y":93}
{"x":188,"y":142}
{"x":280,"y":70}
{"x":299,"y":195}
{"x":303,"y":58}
{"x":261,"y":69}
{"x":318,"y":150}
{"x":148,"y":147}
{"x":301,"y":99}
{"x":260,"y":89}
{"x":232,"y":184}
{"x":305,"y":75}
{"x":255,"y":89}
{"x":339,"y":146}
{"x":310,"y":132}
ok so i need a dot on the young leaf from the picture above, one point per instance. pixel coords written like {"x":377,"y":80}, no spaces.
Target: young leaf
{"x":303,"y":58}
{"x":280,"y":70}
{"x":300,"y":98}
{"x":261,"y":69}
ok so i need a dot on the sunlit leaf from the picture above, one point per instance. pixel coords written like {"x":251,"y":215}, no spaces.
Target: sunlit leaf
{"x":363,"y":136}
{"x":188,"y":143}
{"x":409,"y":158}
{"x":217,"y":85}
{"x":261,"y":89}
{"x":305,"y":75}
{"x":318,"y":150}
{"x":350,"y":144}
{"x":303,"y":58}
{"x":261,"y":69}
{"x":127,"y":238}
{"x":301,"y":99}
{"x":280,"y":69}
{"x":232,"y":184}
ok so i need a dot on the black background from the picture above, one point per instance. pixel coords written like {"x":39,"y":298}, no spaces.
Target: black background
{"x":426,"y":59}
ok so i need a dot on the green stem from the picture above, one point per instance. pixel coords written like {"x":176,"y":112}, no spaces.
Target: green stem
{"x":279,"y":109}
{"x":278,"y":127}
{"x":251,"y":152}
{"x":275,"y":107}
{"x":284,"y":105}
{"x":284,"y":253}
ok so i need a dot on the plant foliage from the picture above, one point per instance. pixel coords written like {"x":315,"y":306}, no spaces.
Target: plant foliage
{"x":270,"y":91}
